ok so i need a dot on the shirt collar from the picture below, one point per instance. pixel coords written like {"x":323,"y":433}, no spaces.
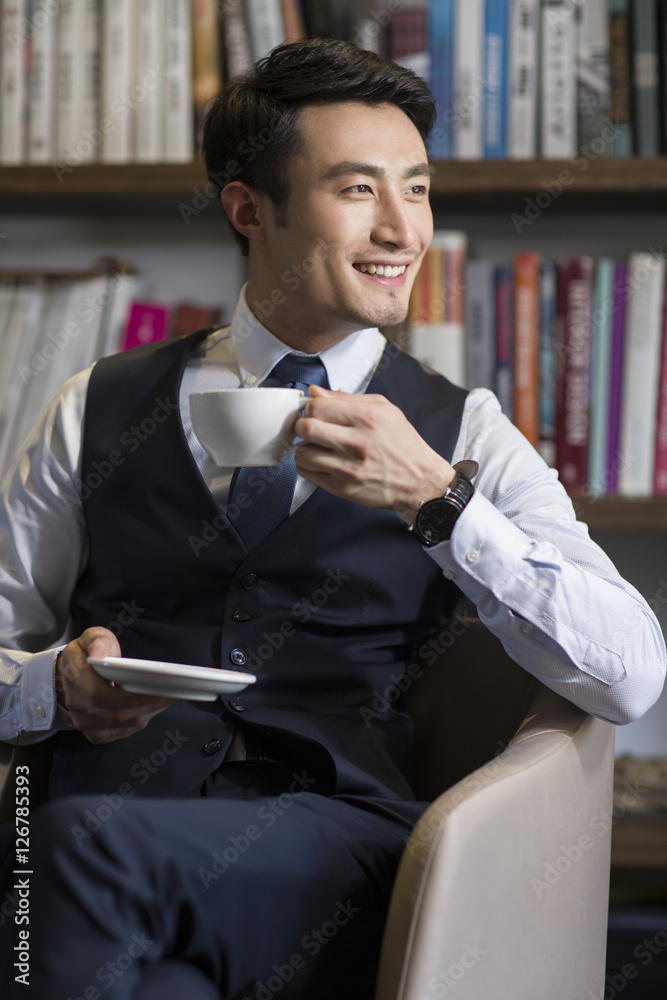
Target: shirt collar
{"x":349,"y":363}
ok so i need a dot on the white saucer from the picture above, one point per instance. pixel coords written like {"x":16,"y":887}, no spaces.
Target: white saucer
{"x":170,"y":680}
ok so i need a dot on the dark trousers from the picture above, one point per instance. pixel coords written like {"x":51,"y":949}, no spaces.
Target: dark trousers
{"x":263,"y":886}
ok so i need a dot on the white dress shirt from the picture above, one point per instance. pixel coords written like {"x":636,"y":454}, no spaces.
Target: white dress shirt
{"x":517,"y":552}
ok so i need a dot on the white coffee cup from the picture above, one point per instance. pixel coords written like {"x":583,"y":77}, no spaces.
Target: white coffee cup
{"x":246,"y":426}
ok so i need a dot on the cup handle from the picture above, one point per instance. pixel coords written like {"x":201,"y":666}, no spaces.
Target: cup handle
{"x":291,"y":448}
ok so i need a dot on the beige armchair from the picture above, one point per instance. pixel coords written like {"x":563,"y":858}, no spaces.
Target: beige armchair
{"x":502,"y":892}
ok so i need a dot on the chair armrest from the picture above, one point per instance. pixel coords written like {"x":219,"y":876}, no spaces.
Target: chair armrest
{"x":503,"y":887}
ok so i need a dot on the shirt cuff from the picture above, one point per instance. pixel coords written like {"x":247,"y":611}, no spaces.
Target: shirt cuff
{"x":38,"y":696}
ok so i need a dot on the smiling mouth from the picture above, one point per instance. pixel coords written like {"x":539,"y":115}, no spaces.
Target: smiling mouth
{"x":382,"y":270}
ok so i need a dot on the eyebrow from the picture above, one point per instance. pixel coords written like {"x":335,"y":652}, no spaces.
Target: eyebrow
{"x":347,"y":167}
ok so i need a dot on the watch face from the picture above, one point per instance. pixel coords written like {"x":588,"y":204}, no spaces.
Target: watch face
{"x":435,"y":521}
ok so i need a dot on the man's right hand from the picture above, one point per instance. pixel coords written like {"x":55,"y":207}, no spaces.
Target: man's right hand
{"x":99,"y":709}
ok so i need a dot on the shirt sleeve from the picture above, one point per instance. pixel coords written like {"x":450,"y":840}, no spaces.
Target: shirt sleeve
{"x":43,"y":550}
{"x":540,"y":583}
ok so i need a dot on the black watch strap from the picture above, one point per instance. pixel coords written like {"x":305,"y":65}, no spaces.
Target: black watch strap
{"x":435,"y":520}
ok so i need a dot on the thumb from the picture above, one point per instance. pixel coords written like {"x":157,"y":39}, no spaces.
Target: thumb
{"x":319,"y":390}
{"x":98,"y":641}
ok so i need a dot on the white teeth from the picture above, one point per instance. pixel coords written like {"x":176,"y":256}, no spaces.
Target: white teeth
{"x":380,"y":269}
{"x":384,"y":270}
{"x":371,"y":268}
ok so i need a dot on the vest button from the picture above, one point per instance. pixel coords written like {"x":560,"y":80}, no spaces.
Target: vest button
{"x":249,"y":582}
{"x":238,"y":657}
{"x":212,"y":746}
{"x":237,"y":704}
{"x":242,"y":615}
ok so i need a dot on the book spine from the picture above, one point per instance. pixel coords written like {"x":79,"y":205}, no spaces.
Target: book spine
{"x":179,"y":107}
{"x":87,"y":79}
{"x":662,"y":67}
{"x":600,"y":380}
{"x":441,"y":39}
{"x":522,"y":141}
{"x":645,"y":78}
{"x":480,"y":347}
{"x":42,"y":89}
{"x":435,"y":279}
{"x":558,"y":134}
{"x":646,"y":284}
{"x":573,"y":360}
{"x":660,"y":473}
{"x":619,"y":63}
{"x":593,"y":83}
{"x":441,"y":345}
{"x":620,"y":296}
{"x":117,"y":80}
{"x":292,"y":20}
{"x":13,"y":94}
{"x":495,"y":70}
{"x":265,"y":21}
{"x":150,"y":119}
{"x":238,"y":52}
{"x":547,"y":363}
{"x":147,"y":323}
{"x":207,"y":65}
{"x":468,"y":81}
{"x":503,"y":385}
{"x":409,"y":40}
{"x":526,"y":338}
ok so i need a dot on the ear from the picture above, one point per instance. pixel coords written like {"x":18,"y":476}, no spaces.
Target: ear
{"x":242,"y":205}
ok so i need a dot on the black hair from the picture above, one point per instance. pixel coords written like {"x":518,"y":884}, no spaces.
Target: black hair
{"x":252,"y":128}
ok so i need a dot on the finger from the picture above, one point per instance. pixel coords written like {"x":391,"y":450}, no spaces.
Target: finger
{"x":342,"y":440}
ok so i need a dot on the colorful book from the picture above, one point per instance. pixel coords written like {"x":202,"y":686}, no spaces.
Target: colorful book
{"x":480,"y":324}
{"x":574,"y":303}
{"x":441,"y":345}
{"x":206,"y":58}
{"x":504,"y":378}
{"x":558,"y":134}
{"x":639,"y":401}
{"x":660,"y":472}
{"x":409,"y":39}
{"x":645,"y":78}
{"x":146,"y":323}
{"x":495,"y":70}
{"x":526,"y":344}
{"x":593,"y":83}
{"x":547,"y":363}
{"x":441,"y":36}
{"x":620,"y":298}
{"x":619,"y":63}
{"x":522,"y":138}
{"x":600,"y":376}
{"x":468,"y":79}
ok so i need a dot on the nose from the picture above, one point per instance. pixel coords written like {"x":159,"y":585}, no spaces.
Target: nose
{"x":393,"y":223}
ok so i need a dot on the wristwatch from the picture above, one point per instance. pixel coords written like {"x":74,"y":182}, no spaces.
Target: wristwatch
{"x":435,"y":520}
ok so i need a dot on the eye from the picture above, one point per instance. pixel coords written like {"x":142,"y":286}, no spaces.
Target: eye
{"x":360,"y":188}
{"x":419,"y":189}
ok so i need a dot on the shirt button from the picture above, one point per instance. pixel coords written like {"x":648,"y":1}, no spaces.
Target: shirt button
{"x":448,"y":574}
{"x":40,"y":711}
{"x":237,"y":704}
{"x":250,"y":379}
{"x":212,"y":747}
{"x":249,"y":582}
{"x":472,"y":556}
{"x":238,"y":657}
{"x":241,"y":616}
{"x":526,"y":628}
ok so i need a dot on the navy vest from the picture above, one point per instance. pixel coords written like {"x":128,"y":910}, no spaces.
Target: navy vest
{"x":327,"y":610}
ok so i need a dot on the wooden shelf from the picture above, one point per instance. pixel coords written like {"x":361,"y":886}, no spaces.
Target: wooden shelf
{"x":640,"y":842}
{"x":622,"y":513}
{"x":566,"y":185}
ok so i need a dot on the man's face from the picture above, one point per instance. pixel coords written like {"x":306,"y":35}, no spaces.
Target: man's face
{"x":358,"y":205}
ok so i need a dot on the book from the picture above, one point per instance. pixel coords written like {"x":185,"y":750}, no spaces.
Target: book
{"x":13,"y":77}
{"x":639,"y":400}
{"x":292,"y":20}
{"x":526,"y":345}
{"x":41,"y":87}
{"x":409,"y":39}
{"x":179,"y":113}
{"x":593,"y":81}
{"x":547,"y":363}
{"x":441,"y":55}
{"x":265,"y":22}
{"x":147,"y":322}
{"x":504,"y":378}
{"x":600,"y":376}
{"x":206,"y":59}
{"x":660,"y":462}
{"x":620,"y":297}
{"x":619,"y":62}
{"x":189,"y":317}
{"x":480,"y":324}
{"x":117,"y":80}
{"x":558,"y":132}
{"x":662,"y":68}
{"x":90,"y":141}
{"x":468,"y":79}
{"x":441,"y":344}
{"x":150,"y":112}
{"x":495,"y":69}
{"x":574,"y":307}
{"x":236,"y":39}
{"x":522,"y":126}
{"x":645,"y":78}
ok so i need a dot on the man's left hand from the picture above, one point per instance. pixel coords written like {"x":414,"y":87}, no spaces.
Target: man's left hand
{"x":363,"y":448}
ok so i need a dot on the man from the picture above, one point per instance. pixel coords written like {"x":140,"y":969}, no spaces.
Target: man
{"x":229,"y":835}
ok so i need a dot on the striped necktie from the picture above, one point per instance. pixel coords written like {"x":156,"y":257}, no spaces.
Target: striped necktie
{"x":267,"y":491}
